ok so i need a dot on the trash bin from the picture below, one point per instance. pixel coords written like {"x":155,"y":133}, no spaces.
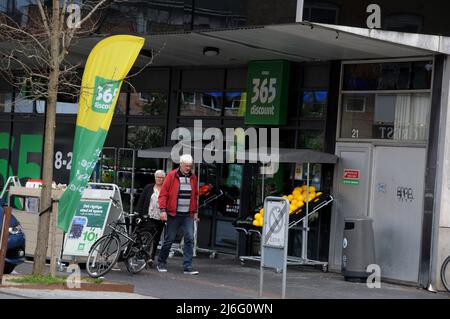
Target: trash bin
{"x":358,"y":248}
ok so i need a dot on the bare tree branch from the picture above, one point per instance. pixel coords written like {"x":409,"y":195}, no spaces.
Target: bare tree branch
{"x":44,"y":17}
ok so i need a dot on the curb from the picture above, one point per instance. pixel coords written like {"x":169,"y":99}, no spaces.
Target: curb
{"x":107,"y":287}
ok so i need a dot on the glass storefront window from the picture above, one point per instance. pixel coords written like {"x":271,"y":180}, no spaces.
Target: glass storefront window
{"x":386,"y":116}
{"x":314,"y":103}
{"x":61,"y":107}
{"x":230,"y":182}
{"x":23,"y":105}
{"x":311,"y":139}
{"x":388,"y":76}
{"x":286,"y":138}
{"x":5,"y":103}
{"x":315,"y":175}
{"x":235,"y":104}
{"x":145,"y":103}
{"x":140,"y":137}
{"x":121,"y":106}
{"x":143,"y":137}
{"x":201,"y":103}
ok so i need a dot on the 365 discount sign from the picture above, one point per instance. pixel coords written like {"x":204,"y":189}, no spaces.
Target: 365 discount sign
{"x":267,"y":92}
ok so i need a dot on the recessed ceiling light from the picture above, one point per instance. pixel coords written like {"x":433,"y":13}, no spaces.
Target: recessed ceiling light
{"x":210,"y":51}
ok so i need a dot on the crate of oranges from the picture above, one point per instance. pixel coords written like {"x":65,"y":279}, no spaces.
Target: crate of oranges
{"x":297,"y":202}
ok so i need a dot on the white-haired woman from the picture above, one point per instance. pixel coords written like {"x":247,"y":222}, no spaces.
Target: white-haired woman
{"x":148,"y":205}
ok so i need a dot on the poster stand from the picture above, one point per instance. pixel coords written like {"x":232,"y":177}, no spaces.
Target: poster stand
{"x":94,"y":212}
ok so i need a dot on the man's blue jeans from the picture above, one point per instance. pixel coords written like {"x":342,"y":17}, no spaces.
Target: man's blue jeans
{"x":173,"y":224}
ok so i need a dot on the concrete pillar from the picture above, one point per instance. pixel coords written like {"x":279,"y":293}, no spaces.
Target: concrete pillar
{"x":441,"y":223}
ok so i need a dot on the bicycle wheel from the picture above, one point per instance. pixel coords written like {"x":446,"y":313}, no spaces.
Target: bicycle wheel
{"x":102,"y":256}
{"x":445,"y":273}
{"x":140,"y":252}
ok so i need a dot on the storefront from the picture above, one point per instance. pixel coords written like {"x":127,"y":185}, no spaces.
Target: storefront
{"x":371,"y":98}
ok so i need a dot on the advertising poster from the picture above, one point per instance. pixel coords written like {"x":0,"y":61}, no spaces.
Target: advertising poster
{"x":86,"y":227}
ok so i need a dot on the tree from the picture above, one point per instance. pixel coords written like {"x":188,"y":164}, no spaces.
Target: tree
{"x":35,"y":44}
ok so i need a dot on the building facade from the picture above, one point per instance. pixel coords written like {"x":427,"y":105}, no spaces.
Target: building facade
{"x":379,"y":105}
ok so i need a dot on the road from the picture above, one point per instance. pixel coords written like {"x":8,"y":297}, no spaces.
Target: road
{"x":225,"y":278}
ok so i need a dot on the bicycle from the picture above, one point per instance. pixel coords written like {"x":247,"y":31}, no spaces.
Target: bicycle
{"x":135,"y":248}
{"x":445,"y":273}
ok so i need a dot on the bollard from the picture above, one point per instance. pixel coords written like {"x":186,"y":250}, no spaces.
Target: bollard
{"x":4,"y":239}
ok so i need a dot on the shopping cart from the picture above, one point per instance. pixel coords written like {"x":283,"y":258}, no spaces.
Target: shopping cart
{"x":245,"y":225}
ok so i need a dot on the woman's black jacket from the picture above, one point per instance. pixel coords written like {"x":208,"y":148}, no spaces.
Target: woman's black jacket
{"x":144,"y":200}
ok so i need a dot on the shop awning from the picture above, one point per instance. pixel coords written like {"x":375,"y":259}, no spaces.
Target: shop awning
{"x":157,"y":152}
{"x":292,"y":155}
{"x":299,"y":42}
{"x":286,"y":155}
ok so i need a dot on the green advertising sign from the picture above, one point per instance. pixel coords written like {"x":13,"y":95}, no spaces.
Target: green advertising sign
{"x":267,"y":92}
{"x":86,"y":227}
{"x":105,"y":92}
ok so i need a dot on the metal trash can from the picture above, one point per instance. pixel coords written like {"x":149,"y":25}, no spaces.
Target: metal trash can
{"x":358,"y":248}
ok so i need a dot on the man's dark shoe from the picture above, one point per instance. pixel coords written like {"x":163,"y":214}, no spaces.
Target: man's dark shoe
{"x":190,"y":271}
{"x":161,"y":268}
{"x":149,"y":264}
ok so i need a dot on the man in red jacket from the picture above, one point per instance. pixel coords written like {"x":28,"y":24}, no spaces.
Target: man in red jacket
{"x":178,"y":204}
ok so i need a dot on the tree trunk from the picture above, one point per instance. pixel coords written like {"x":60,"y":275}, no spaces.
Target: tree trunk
{"x":47,"y":176}
{"x":49,"y":142}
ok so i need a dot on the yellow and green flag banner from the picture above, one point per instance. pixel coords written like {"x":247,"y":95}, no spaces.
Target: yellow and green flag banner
{"x":107,"y":65}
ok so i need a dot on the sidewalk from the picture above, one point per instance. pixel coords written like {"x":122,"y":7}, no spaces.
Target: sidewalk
{"x":225,"y":278}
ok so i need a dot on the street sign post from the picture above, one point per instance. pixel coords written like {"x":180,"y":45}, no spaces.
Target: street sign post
{"x":274,"y":238}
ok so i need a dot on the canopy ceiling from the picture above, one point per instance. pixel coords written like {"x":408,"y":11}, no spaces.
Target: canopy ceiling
{"x":297,"y":42}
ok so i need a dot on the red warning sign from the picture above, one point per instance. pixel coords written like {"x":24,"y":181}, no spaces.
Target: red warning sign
{"x":351,"y":173}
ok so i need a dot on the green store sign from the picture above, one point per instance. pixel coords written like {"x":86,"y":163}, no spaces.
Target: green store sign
{"x":267,"y":92}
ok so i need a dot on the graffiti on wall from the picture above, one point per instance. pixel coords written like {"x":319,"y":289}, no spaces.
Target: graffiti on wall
{"x":405,"y":194}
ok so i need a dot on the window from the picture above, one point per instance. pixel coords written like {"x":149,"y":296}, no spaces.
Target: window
{"x":24,"y":105}
{"x":389,"y":100}
{"x":201,"y":104}
{"x":121,"y":105}
{"x":355,"y":104}
{"x":402,"y":116}
{"x":155,"y":104}
{"x":403,"y":23}
{"x":388,"y":76}
{"x":5,"y":102}
{"x":61,"y":107}
{"x":321,"y":12}
{"x":143,"y":137}
{"x":235,"y":103}
{"x":311,"y":139}
{"x":314,"y":104}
